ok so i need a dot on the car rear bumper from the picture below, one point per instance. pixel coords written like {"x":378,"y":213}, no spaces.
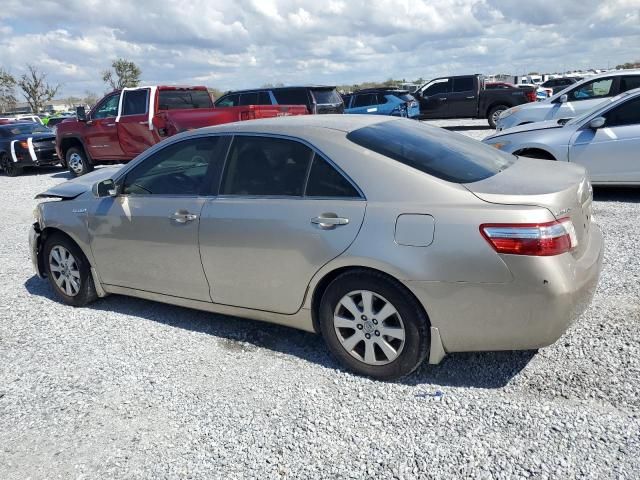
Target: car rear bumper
{"x":34,"y":246}
{"x":546,"y":296}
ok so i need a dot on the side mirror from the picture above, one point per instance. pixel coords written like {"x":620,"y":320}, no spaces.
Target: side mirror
{"x":563,"y":98}
{"x":105,"y":188}
{"x":81,"y":114}
{"x":597,"y":123}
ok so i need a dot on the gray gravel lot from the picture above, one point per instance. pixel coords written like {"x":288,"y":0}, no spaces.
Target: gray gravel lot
{"x":134,"y":389}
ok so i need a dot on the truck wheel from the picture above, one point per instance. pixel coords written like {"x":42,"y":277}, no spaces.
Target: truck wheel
{"x":10,"y":169}
{"x":78,"y":162}
{"x":494,"y":113}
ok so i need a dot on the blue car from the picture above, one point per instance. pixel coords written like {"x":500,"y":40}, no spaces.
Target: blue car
{"x":26,"y":145}
{"x":382,"y":101}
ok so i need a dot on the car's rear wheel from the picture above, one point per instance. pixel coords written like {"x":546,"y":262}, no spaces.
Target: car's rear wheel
{"x":494,"y":114}
{"x":68,"y":271}
{"x":10,"y":168}
{"x":77,"y":161}
{"x":373,"y":325}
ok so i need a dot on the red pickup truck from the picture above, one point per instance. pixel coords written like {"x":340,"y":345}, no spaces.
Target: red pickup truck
{"x":124,"y":123}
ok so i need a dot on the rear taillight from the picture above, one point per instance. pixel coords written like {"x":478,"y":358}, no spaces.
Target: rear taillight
{"x":531,"y":95}
{"x":537,"y":239}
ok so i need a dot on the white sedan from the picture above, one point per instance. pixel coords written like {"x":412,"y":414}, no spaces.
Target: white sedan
{"x":605,"y":140}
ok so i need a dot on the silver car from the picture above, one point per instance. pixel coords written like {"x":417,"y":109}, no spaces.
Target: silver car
{"x":604,"y":140}
{"x":397,"y":241}
{"x":572,"y":101}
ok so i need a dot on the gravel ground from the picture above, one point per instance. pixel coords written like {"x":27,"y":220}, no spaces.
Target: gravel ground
{"x":134,"y":389}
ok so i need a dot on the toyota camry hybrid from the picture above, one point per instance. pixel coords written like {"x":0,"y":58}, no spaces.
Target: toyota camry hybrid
{"x":396,"y":241}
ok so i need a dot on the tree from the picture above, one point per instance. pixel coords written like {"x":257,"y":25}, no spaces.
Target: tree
{"x":7,"y":91}
{"x":35,"y":88}
{"x":72,"y":101}
{"x":90,"y":98}
{"x":628,"y":65}
{"x":215,"y":93}
{"x":124,"y":74}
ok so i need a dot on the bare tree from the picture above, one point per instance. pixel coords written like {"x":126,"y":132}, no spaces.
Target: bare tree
{"x":124,"y":74}
{"x":72,"y":101}
{"x":90,"y":98}
{"x":35,"y":88}
{"x":7,"y":91}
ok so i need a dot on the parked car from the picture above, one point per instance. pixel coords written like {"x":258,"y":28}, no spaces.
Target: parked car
{"x":318,"y":99}
{"x":466,"y":97}
{"x":266,"y":220}
{"x":26,"y":144}
{"x":29,"y":118}
{"x":573,"y":100}
{"x":605,"y":140}
{"x":125,"y":123}
{"x":557,"y":84}
{"x":382,"y":101}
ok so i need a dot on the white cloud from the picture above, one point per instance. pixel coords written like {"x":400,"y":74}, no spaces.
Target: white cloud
{"x":245,"y":43}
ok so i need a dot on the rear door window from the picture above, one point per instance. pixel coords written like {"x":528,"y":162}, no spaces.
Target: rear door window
{"x":326,"y":181}
{"x":629,"y":83}
{"x":265,"y":166}
{"x":175,"y":99}
{"x":600,"y":88}
{"x":264,"y":98}
{"x":442,"y":154}
{"x":463,"y":84}
{"x":250,"y":98}
{"x":135,"y":102}
{"x":365,"y":100}
{"x":291,"y":96}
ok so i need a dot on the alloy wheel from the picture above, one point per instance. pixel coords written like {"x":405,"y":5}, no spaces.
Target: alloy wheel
{"x":369,"y":327}
{"x":496,"y":115}
{"x":7,"y":166}
{"x":76,"y":163}
{"x":65,"y":271}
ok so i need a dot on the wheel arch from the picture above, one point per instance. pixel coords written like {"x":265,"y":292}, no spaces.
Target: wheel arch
{"x":320,"y":284}
{"x":69,"y":142}
{"x":49,"y":231}
{"x":496,"y":103}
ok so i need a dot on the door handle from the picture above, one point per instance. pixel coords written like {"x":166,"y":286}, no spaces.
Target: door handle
{"x":110,"y":124}
{"x":444,"y":99}
{"x":328,"y":221}
{"x":470,"y":98}
{"x":183,"y":216}
{"x":143,"y":123}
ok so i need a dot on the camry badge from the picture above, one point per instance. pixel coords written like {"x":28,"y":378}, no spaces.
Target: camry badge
{"x":564,"y":211}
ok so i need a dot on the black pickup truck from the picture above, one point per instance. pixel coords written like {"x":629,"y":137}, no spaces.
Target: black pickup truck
{"x":465,"y":97}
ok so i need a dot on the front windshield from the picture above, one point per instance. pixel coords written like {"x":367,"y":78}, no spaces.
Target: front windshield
{"x":24,"y":128}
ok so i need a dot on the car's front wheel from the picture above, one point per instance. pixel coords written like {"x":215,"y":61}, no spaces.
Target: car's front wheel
{"x":10,"y":168}
{"x":373,"y":325}
{"x":77,"y":161}
{"x":68,"y":271}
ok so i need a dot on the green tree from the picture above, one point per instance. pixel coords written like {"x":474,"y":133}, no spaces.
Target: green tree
{"x":35,"y":88}
{"x":123,"y":74}
{"x":7,"y":91}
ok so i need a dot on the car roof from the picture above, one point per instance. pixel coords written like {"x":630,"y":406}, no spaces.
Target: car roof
{"x":381,"y":89}
{"x":297,"y":123}
{"x":262,"y":89}
{"x":613,"y":73}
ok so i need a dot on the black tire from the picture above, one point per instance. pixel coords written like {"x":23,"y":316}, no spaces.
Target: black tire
{"x":494,"y":113}
{"x":78,"y":163}
{"x":86,"y":291}
{"x":10,"y":169}
{"x":416,"y":324}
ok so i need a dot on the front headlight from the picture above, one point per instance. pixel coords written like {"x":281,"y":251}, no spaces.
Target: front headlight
{"x":508,"y":112}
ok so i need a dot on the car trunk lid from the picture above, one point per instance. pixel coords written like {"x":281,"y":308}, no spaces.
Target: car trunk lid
{"x":561,"y":188}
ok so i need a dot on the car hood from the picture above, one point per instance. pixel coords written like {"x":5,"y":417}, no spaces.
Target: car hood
{"x":78,"y":186}
{"x":35,"y":136}
{"x":528,"y":127}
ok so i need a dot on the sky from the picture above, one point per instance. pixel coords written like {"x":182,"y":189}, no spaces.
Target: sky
{"x":248,"y":43}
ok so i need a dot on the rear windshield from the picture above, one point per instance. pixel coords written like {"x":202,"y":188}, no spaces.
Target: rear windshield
{"x":177,"y":99}
{"x":445,"y":155}
{"x":326,"y":96}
